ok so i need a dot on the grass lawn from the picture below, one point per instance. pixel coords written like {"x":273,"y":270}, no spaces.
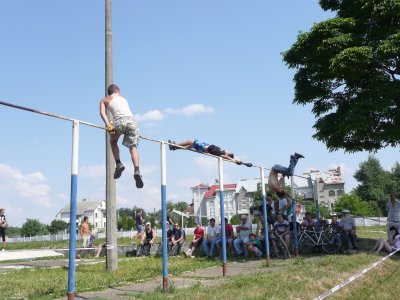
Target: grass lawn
{"x":299,"y":278}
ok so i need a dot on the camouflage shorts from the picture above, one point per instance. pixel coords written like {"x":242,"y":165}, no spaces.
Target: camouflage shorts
{"x":130,"y":129}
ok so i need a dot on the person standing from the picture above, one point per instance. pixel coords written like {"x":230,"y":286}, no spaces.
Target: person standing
{"x":284,"y":203}
{"x":84,"y":231}
{"x":3,"y":226}
{"x":123,"y":123}
{"x":393,"y":213}
{"x":139,"y":221}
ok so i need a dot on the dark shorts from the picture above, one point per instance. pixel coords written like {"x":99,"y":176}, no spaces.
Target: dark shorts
{"x":215,"y":150}
{"x":3,"y":234}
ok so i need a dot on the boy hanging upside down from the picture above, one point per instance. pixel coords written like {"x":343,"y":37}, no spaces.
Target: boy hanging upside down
{"x":273,"y":181}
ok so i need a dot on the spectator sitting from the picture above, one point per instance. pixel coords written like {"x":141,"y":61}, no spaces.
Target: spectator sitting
{"x":198,"y":236}
{"x":243,"y":230}
{"x":308,"y":223}
{"x":254,"y":246}
{"x":323,"y":223}
{"x":213,"y":234}
{"x":393,"y":244}
{"x":281,"y":228}
{"x":348,"y":233}
{"x":229,"y":238}
{"x":147,"y":240}
{"x":335,"y":225}
{"x":177,"y":240}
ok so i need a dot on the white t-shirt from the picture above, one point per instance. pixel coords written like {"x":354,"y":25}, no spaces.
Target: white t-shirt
{"x":282,"y":203}
{"x":119,"y":107}
{"x":393,"y":210}
{"x":213,"y":232}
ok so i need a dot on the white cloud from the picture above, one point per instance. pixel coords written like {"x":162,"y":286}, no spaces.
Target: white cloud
{"x":94,"y":171}
{"x":190,"y":110}
{"x":25,"y":185}
{"x":152,"y":115}
{"x":206,"y":164}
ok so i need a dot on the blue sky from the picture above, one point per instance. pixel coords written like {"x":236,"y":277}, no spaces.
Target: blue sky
{"x":207,"y":69}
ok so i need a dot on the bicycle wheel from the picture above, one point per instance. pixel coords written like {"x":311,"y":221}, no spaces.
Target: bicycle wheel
{"x":283,"y":250}
{"x":306,"y":245}
{"x":331,"y":243}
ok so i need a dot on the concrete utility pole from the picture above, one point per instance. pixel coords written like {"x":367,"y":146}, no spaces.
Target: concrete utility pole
{"x":111,"y":224}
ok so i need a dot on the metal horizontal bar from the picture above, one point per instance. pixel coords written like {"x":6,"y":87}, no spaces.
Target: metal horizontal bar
{"x":102,"y":127}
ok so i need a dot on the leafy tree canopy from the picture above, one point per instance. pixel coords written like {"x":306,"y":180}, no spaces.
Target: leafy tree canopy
{"x":57,"y":226}
{"x":375,"y":183}
{"x":348,"y":68}
{"x":33,"y":227}
{"x":356,"y":206}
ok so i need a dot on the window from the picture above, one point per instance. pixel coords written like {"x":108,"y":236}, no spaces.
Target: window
{"x":95,"y":215}
{"x":339,"y":192}
{"x":212,"y":208}
{"x":104,"y":215}
{"x":332,"y":194}
{"x":96,"y":224}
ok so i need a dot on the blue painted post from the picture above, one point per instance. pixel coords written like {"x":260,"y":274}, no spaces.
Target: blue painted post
{"x":164,"y":215}
{"x":72,"y":213}
{"x":264,"y":205}
{"x":222,"y":208}
{"x":295,"y":241}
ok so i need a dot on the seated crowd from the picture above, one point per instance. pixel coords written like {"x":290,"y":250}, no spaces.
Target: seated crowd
{"x":242,"y":241}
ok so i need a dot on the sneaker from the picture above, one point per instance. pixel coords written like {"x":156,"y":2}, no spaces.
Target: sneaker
{"x":171,"y":147}
{"x":119,"y":168}
{"x":138,"y":179}
{"x":298,"y":155}
{"x":3,"y":249}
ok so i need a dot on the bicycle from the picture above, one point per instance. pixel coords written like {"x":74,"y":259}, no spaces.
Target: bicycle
{"x":309,"y":240}
{"x":280,"y":248}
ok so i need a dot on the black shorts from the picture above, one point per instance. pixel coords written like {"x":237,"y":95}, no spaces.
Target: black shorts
{"x":215,"y":150}
{"x":3,"y":233}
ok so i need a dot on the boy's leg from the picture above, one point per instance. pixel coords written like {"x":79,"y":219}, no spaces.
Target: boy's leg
{"x":135,"y":161}
{"x":119,"y":167}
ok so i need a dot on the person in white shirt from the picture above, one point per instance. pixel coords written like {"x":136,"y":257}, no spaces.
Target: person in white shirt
{"x":213,"y":234}
{"x":123,"y":123}
{"x":243,"y":230}
{"x":348,"y":231}
{"x":393,"y":212}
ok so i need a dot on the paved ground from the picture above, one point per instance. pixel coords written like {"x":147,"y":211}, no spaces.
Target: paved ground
{"x":27,"y":254}
{"x":205,"y":277}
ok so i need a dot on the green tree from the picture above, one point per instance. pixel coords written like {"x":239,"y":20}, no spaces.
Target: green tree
{"x":235,"y":220}
{"x":395,"y":172}
{"x":374,"y":182}
{"x":348,"y":69}
{"x":33,"y":227}
{"x":13,"y":231}
{"x":57,"y":226}
{"x":356,"y":205}
{"x":323,"y":209}
{"x":125,"y":222}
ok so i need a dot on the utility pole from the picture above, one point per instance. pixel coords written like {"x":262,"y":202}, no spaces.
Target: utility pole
{"x":111,"y":223}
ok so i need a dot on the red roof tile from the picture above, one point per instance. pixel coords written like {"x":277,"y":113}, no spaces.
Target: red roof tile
{"x":211,"y":192}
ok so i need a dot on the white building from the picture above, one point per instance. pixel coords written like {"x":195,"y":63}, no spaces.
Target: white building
{"x":94,"y":209}
{"x":327,"y":187}
{"x":238,"y":198}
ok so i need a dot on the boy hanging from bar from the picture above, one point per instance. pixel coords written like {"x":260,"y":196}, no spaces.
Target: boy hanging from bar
{"x":276,"y":184}
{"x":203,"y":147}
{"x":123,"y":123}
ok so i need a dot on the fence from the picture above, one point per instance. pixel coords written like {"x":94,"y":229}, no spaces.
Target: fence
{"x":360,"y":222}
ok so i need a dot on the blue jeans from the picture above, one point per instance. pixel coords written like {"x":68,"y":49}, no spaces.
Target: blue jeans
{"x":239,"y":245}
{"x":289,"y":170}
{"x":206,"y":243}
